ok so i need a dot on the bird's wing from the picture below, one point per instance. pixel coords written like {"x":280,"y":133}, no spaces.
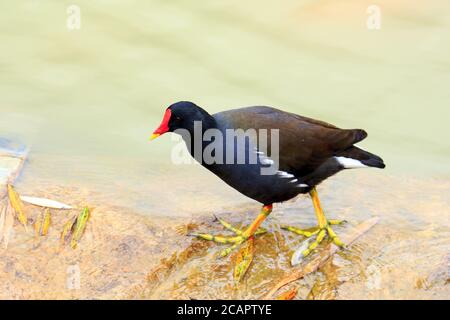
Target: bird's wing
{"x":304,"y":143}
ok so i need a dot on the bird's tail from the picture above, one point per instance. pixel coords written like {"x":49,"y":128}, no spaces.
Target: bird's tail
{"x":366,"y":158}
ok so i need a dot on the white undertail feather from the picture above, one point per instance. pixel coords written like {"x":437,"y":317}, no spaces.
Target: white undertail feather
{"x":349,"y":163}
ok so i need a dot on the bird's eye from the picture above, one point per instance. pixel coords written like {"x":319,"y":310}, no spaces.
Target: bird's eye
{"x":177,"y":118}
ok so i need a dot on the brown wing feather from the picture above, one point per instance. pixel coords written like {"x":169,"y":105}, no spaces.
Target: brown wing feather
{"x":305,"y":143}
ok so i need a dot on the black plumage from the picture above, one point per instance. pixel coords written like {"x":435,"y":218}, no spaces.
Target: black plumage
{"x":310,"y":151}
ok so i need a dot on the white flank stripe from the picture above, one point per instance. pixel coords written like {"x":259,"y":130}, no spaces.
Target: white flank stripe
{"x":284,"y":174}
{"x":349,"y":163}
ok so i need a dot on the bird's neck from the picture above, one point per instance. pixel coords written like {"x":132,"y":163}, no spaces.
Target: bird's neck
{"x":195,"y":141}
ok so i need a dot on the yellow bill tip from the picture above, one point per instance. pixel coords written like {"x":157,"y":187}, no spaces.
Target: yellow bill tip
{"x":154,"y":136}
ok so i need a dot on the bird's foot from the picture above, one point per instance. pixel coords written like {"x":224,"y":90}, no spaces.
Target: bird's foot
{"x":309,"y":232}
{"x":240,"y":236}
{"x":321,"y":233}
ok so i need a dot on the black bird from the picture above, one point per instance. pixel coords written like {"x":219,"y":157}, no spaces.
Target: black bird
{"x":309,"y":151}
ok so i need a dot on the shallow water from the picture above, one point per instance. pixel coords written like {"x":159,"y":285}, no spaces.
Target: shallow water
{"x":127,"y":255}
{"x":405,"y":256}
{"x":86,"y":102}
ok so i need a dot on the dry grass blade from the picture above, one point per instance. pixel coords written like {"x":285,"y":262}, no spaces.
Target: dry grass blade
{"x":244,"y":258}
{"x":80,"y":226}
{"x":67,"y":231}
{"x":288,"y":295}
{"x":38,"y":225}
{"x":320,"y":260}
{"x":46,"y":222}
{"x":17,"y":205}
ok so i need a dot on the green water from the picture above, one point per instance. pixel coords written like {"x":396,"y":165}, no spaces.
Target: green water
{"x":87,"y":100}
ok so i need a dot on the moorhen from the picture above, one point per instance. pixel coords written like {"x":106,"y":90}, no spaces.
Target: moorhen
{"x":307,"y":152}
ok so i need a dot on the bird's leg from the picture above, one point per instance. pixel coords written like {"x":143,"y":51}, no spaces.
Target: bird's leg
{"x":322,"y":230}
{"x":241,"y":235}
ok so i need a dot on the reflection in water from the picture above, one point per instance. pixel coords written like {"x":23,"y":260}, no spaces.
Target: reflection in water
{"x":86,"y":102}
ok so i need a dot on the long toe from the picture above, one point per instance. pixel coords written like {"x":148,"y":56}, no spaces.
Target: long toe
{"x":303,"y":232}
{"x":311,"y":244}
{"x":235,"y":241}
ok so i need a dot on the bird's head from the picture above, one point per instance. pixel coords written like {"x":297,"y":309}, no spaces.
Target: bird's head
{"x":181,"y":115}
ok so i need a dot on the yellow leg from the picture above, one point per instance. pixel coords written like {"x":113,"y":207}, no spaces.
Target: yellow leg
{"x":321,"y":219}
{"x":240,"y":236}
{"x":265,"y":211}
{"x":322,"y":230}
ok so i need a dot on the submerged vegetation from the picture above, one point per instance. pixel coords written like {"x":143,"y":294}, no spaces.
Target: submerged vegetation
{"x":13,"y":208}
{"x":17,"y":205}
